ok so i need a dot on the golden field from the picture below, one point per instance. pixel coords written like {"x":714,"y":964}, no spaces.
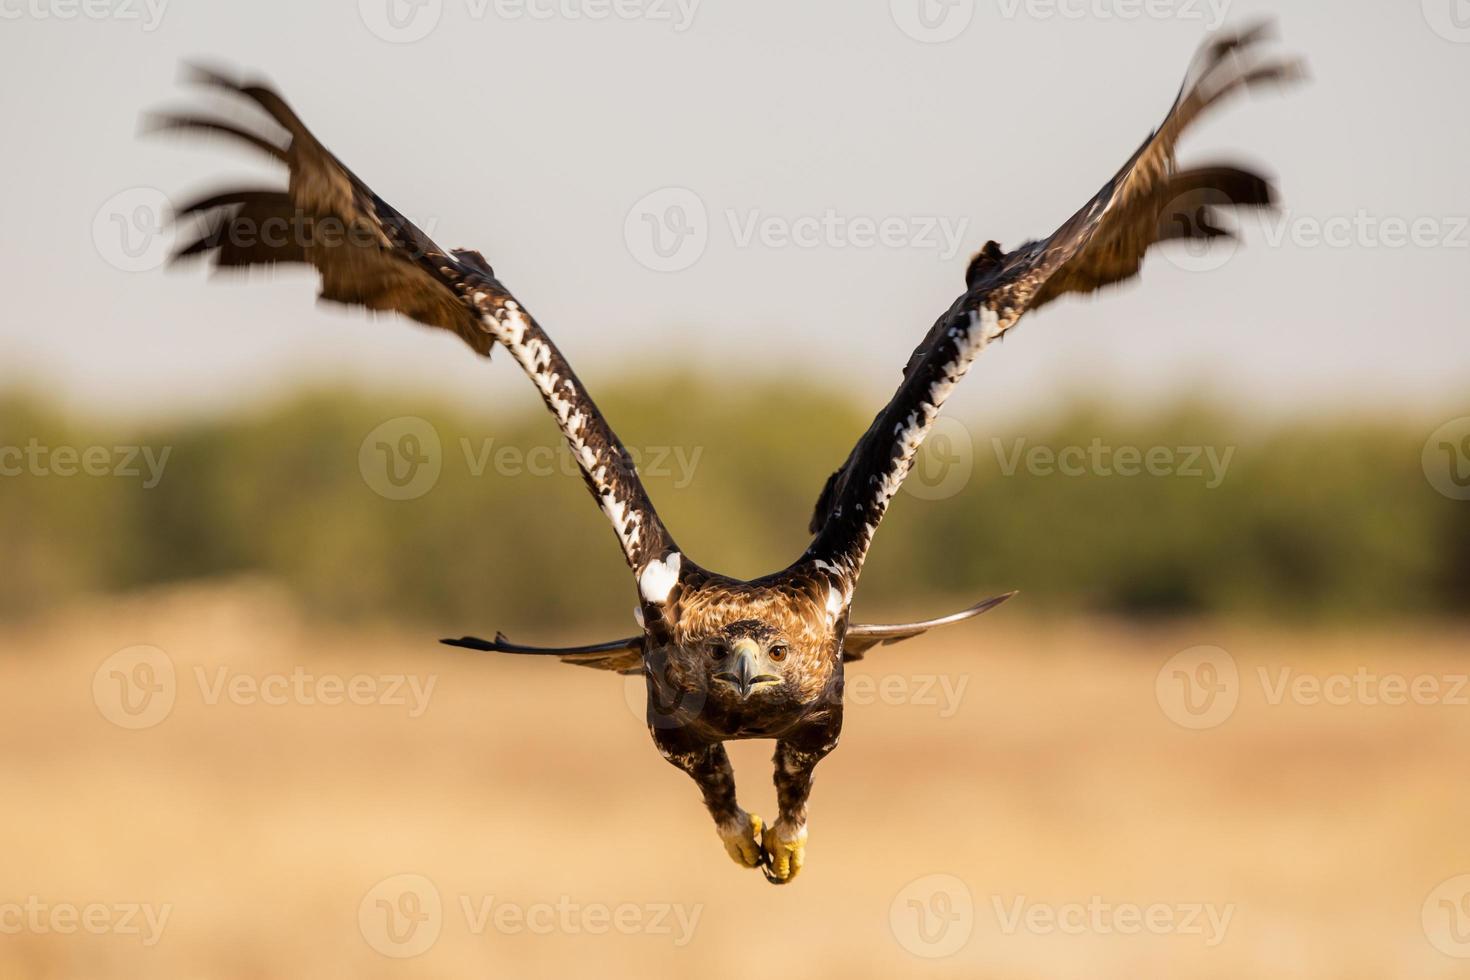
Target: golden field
{"x":1013,"y":794}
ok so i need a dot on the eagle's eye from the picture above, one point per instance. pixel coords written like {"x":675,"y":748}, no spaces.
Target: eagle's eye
{"x":718,"y":649}
{"x":778,"y":652}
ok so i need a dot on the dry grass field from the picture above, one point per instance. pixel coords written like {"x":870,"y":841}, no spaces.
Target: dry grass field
{"x":1012,"y":799}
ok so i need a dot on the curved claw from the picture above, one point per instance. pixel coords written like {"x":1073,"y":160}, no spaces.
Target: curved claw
{"x":743,"y":841}
{"x":785,"y":852}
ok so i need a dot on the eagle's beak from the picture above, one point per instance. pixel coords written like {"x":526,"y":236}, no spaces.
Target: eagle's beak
{"x":744,"y":671}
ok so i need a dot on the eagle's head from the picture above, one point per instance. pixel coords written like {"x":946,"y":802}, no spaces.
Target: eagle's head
{"x":749,"y":660}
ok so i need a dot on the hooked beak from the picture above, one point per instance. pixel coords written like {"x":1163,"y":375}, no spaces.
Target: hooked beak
{"x":744,"y":669}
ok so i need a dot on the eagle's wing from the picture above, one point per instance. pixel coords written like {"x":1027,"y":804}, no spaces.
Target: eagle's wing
{"x":860,"y":638}
{"x":370,"y":255}
{"x":1149,"y":200}
{"x":623,"y":656}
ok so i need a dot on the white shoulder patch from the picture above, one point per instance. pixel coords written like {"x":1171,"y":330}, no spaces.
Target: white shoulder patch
{"x":659,"y":577}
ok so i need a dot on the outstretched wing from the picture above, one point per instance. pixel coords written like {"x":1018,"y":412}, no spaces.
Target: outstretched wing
{"x":370,"y":255}
{"x":623,"y":656}
{"x":861,"y":638}
{"x":1148,"y":201}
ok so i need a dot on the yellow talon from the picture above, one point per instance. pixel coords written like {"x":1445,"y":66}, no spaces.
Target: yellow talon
{"x":786,"y":850}
{"x":743,"y":840}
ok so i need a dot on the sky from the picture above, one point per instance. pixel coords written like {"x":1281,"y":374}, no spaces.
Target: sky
{"x":750,"y":189}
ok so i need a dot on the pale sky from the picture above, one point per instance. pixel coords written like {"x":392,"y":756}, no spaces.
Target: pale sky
{"x":535,"y":131}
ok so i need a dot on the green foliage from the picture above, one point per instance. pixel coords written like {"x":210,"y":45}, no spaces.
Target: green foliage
{"x":1309,"y":520}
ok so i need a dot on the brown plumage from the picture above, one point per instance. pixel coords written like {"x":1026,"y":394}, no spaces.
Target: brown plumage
{"x":723,"y":658}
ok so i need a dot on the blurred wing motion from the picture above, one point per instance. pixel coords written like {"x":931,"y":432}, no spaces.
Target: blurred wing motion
{"x":860,"y":639}
{"x":626,"y":656}
{"x":623,"y":656}
{"x":369,"y":255}
{"x":1148,"y":201}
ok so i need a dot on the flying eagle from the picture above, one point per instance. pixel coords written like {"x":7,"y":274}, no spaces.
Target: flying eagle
{"x":724,"y":658}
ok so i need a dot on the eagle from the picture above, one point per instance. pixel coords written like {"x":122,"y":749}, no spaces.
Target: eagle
{"x":723,"y":658}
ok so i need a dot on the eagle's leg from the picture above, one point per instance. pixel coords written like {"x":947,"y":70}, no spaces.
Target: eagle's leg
{"x":796,"y":757}
{"x":709,"y":766}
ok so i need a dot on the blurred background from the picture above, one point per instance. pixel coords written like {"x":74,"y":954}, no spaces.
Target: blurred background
{"x":1222,"y":731}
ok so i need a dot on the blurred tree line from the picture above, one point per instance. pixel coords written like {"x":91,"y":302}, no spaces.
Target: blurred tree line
{"x":1184,"y":512}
